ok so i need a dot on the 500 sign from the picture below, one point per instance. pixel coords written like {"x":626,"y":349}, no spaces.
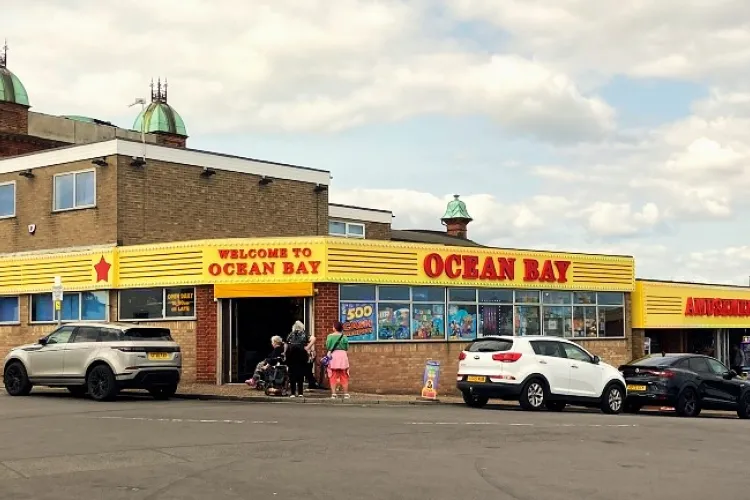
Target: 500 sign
{"x":359,"y":320}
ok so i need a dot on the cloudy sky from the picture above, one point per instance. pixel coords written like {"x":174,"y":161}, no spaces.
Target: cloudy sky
{"x":587,"y":125}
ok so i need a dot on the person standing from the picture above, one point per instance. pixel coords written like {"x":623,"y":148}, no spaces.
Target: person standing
{"x":738,"y":359}
{"x":337,"y":345}
{"x":297,"y":358}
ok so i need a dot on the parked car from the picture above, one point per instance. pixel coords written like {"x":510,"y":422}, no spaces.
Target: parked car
{"x":686,"y":382}
{"x":97,"y":359}
{"x":539,"y":372}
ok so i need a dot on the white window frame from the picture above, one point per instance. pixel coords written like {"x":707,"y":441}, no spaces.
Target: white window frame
{"x":80,"y":309}
{"x":15,"y":199}
{"x":18,"y":306}
{"x":347,"y":233}
{"x":74,"y":174}
{"x":164,"y":316}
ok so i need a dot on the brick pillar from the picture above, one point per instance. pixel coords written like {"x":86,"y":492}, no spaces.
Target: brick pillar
{"x":14,"y":118}
{"x":175,"y":141}
{"x":205,"y":335}
{"x":325,"y":312}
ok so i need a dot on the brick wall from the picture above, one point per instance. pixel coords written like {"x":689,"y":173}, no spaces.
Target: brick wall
{"x":175,"y":141}
{"x":397,"y":368}
{"x":206,"y":354}
{"x":15,"y":144}
{"x":14,"y":118}
{"x":164,"y":202}
{"x":91,"y":226}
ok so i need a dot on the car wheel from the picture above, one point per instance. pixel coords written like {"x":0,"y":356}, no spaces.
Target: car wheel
{"x":612,"y":399}
{"x":743,"y":408}
{"x":163,"y":393}
{"x":555,"y":405}
{"x":533,"y":395}
{"x":17,"y":380}
{"x":631,"y":407}
{"x":688,"y":404}
{"x":101,"y":383}
{"x":475,"y":400}
{"x":77,"y":390}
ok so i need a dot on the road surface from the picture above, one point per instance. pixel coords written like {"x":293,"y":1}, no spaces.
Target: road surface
{"x":57,"y":447}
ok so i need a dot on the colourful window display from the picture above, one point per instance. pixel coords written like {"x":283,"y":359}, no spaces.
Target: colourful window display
{"x":358,"y":319}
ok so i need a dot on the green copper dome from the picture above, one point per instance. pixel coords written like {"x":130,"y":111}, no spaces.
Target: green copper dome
{"x":11,"y":88}
{"x":457,"y":210}
{"x":160,"y":117}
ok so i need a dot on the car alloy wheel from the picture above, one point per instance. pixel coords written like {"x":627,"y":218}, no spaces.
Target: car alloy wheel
{"x":13,"y":379}
{"x":535,"y":394}
{"x":615,"y":399}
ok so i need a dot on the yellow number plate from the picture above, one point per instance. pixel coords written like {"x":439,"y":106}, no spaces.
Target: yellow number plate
{"x":158,"y":356}
{"x":476,"y":379}
{"x":636,"y":387}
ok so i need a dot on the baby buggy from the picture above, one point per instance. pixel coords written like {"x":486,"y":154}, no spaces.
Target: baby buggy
{"x":275,"y":380}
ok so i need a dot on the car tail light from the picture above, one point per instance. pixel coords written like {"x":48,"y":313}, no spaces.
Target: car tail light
{"x":661,"y":373}
{"x":129,"y":349}
{"x":462,"y":356}
{"x":507,"y":357}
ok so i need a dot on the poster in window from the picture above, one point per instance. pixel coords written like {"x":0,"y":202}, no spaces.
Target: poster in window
{"x":462,"y":322}
{"x":394,"y":322}
{"x":429,"y":321}
{"x":495,"y":320}
{"x":180,"y":302}
{"x":527,"y":320}
{"x":358,"y":319}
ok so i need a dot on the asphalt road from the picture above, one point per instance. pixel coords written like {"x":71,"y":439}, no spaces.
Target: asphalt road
{"x":57,"y":447}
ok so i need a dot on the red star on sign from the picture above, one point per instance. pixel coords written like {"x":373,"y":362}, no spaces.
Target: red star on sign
{"x":102,"y":270}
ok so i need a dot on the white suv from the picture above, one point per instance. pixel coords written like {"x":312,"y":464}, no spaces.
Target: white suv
{"x":539,"y":372}
{"x":99,"y":359}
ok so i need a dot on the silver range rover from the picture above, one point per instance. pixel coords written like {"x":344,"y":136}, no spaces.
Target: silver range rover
{"x":97,"y":359}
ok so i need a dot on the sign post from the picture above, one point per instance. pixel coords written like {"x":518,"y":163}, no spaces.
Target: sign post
{"x":57,"y":298}
{"x":430,"y":380}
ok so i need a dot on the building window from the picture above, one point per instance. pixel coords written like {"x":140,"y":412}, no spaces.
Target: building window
{"x":346,"y":229}
{"x":7,"y":200}
{"x":75,"y":190}
{"x":395,"y":312}
{"x":157,"y":303}
{"x":9,"y":310}
{"x":76,"y":306}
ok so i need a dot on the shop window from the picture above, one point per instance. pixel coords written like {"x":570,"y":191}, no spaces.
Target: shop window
{"x":527,"y":297}
{"x":557,"y":321}
{"x":584,"y":298}
{"x":611,"y":321}
{"x":561,"y":298}
{"x":9,"y":310}
{"x":157,"y":303}
{"x":76,"y":306}
{"x":346,"y":229}
{"x":391,"y":293}
{"x":428,"y":294}
{"x":584,"y":321}
{"x":7,"y":199}
{"x":462,"y":322}
{"x":358,"y":319}
{"x":610,"y":298}
{"x":394,"y":321}
{"x":496,"y":296}
{"x":495,"y":320}
{"x":527,"y":321}
{"x":462,"y":294}
{"x":75,"y":190}
{"x":428,"y":321}
{"x":357,"y":292}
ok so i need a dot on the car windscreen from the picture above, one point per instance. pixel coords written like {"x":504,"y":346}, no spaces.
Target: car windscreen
{"x":491,"y":345}
{"x":150,"y":334}
{"x":656,"y":361}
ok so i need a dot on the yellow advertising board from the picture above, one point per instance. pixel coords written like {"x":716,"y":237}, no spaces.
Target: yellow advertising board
{"x":660,"y":304}
{"x":313,"y":260}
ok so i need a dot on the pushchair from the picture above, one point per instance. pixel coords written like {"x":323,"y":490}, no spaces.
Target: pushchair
{"x":275,"y":380}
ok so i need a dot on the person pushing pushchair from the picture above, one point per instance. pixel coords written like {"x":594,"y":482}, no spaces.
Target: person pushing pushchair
{"x":264,"y":367}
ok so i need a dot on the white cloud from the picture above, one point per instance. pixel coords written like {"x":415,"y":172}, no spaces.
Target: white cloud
{"x":284,"y":65}
{"x":619,"y":219}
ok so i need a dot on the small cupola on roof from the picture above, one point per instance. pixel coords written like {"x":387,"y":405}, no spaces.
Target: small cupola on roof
{"x":160,"y":119}
{"x":456,"y":218}
{"x":11,"y":88}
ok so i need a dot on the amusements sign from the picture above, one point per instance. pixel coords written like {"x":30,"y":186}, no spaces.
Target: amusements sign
{"x":358,"y":319}
{"x":265,"y":261}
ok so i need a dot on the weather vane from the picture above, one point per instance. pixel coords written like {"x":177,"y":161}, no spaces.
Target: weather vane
{"x":4,"y":55}
{"x":159,"y":91}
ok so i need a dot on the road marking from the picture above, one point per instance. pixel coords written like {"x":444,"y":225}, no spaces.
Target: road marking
{"x":190,"y":420}
{"x":522,"y":425}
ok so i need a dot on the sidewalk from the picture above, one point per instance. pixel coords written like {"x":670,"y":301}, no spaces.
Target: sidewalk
{"x":241,"y":392}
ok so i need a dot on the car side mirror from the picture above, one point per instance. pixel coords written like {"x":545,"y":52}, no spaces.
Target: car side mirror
{"x":42,"y":341}
{"x":596,"y":360}
{"x":730,"y":375}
